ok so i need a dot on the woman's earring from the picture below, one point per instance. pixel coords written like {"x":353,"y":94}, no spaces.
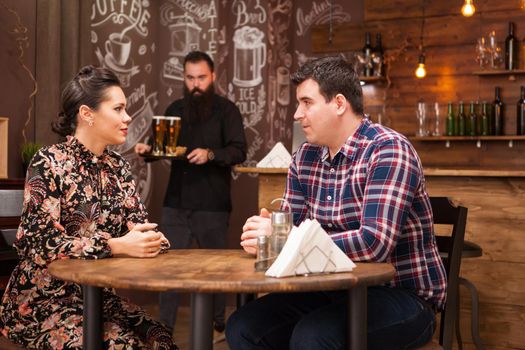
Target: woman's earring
{"x":90,"y":123}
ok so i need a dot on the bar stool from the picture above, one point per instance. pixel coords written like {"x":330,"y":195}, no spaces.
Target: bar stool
{"x":471,"y":250}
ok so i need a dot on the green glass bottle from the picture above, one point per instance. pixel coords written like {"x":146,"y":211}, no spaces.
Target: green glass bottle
{"x":472,"y":121}
{"x":484,"y":120}
{"x":499,"y":109}
{"x":520,"y":113}
{"x":460,"y":128}
{"x":451,"y":122}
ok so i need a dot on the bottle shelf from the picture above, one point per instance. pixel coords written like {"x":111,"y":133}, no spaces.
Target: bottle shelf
{"x":371,"y":80}
{"x":478,"y":139}
{"x":501,"y":72}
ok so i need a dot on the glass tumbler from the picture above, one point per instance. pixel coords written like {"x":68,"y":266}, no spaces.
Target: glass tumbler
{"x":435,"y":122}
{"x":421,"y":113}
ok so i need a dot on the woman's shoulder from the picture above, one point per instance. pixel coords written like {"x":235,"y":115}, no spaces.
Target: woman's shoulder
{"x":57,"y":154}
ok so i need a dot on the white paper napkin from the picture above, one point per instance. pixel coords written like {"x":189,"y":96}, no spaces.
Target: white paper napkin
{"x":309,"y":249}
{"x":278,"y":157}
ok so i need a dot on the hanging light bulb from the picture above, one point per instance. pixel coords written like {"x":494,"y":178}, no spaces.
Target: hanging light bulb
{"x":468,"y":8}
{"x":421,"y":72}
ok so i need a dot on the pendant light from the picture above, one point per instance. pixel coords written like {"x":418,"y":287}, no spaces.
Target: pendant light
{"x":421,"y":71}
{"x":468,"y":8}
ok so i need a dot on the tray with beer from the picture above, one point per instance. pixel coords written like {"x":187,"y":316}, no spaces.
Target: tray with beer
{"x":179,"y":154}
{"x":166,"y":131}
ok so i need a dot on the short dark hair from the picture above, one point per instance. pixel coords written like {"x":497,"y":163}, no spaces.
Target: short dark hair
{"x":335,"y":76}
{"x":88,"y":88}
{"x":198,"y":56}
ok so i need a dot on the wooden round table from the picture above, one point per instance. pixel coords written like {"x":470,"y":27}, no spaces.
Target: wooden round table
{"x":203,"y":272}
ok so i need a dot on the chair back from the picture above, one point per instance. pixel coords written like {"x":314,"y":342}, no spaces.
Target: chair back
{"x":11,"y":201}
{"x":450,"y":248}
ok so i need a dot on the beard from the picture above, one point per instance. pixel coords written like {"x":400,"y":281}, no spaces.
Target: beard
{"x":198,"y":104}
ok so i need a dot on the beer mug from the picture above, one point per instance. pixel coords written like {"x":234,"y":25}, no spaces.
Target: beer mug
{"x":159,"y":134}
{"x":173,"y":135}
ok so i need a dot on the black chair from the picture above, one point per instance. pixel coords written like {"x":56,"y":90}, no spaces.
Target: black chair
{"x":450,"y":248}
{"x":11,"y":200}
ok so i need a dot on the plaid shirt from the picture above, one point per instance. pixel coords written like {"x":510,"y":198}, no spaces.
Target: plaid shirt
{"x":371,"y":199}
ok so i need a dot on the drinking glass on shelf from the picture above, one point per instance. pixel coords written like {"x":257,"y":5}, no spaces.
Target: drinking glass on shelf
{"x":495,"y":53}
{"x":434,"y":121}
{"x":482,"y":53}
{"x":421,"y":113}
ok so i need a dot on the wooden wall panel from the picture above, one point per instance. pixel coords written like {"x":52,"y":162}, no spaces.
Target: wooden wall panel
{"x":502,"y":327}
{"x":384,"y":10}
{"x":449,"y":41}
{"x":446,"y":30}
{"x":464,"y":154}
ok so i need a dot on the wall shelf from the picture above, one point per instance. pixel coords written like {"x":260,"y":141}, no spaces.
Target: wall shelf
{"x":478,"y":139}
{"x":501,"y":72}
{"x":371,"y":80}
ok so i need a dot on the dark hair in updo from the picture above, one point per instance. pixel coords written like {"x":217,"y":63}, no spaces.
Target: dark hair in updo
{"x":88,"y":88}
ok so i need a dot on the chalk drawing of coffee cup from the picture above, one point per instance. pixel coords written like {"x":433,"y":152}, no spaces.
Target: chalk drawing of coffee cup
{"x":249,"y":56}
{"x":119,"y":48}
{"x":283,"y":86}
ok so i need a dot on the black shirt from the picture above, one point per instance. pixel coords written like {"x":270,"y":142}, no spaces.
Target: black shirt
{"x":207,"y":186}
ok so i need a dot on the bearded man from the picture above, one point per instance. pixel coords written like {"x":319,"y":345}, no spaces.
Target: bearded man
{"x":197,"y":204}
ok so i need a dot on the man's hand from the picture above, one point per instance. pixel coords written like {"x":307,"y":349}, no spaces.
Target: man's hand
{"x":198,"y":156}
{"x":141,"y":148}
{"x":257,"y":225}
{"x":140,"y":242}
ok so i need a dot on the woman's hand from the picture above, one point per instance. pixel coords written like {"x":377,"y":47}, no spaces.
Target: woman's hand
{"x":140,"y":242}
{"x":257,"y":225}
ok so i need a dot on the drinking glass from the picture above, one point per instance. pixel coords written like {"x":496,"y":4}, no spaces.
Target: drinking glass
{"x":159,"y":134}
{"x":421,"y":113}
{"x":482,"y":53}
{"x":495,"y":53}
{"x":434,"y":121}
{"x":173,"y":135}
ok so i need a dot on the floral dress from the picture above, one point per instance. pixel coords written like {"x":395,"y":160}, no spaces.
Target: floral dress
{"x":73,"y":203}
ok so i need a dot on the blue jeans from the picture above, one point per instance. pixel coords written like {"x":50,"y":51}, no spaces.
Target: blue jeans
{"x":397,"y":319}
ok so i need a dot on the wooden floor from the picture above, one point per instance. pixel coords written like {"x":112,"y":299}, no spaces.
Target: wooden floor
{"x":181,"y":334}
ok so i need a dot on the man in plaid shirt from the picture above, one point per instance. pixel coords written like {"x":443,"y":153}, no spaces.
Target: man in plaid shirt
{"x":364,"y":183}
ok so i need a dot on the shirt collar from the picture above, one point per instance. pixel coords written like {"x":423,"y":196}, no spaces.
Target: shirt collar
{"x":349,"y":148}
{"x":85,"y":155}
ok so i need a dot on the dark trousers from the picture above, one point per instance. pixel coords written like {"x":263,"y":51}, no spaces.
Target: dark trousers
{"x":180,"y":226}
{"x":397,"y":319}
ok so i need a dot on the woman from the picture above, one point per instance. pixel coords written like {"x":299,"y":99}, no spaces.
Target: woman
{"x":80,"y":202}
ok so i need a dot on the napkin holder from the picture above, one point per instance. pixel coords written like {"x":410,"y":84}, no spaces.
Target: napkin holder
{"x":309,"y":250}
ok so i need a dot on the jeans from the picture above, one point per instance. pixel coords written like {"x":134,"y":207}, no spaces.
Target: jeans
{"x":397,"y":319}
{"x":180,"y":226}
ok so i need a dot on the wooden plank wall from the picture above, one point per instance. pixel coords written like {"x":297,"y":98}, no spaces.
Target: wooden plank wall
{"x":496,"y":205}
{"x":449,"y":41}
